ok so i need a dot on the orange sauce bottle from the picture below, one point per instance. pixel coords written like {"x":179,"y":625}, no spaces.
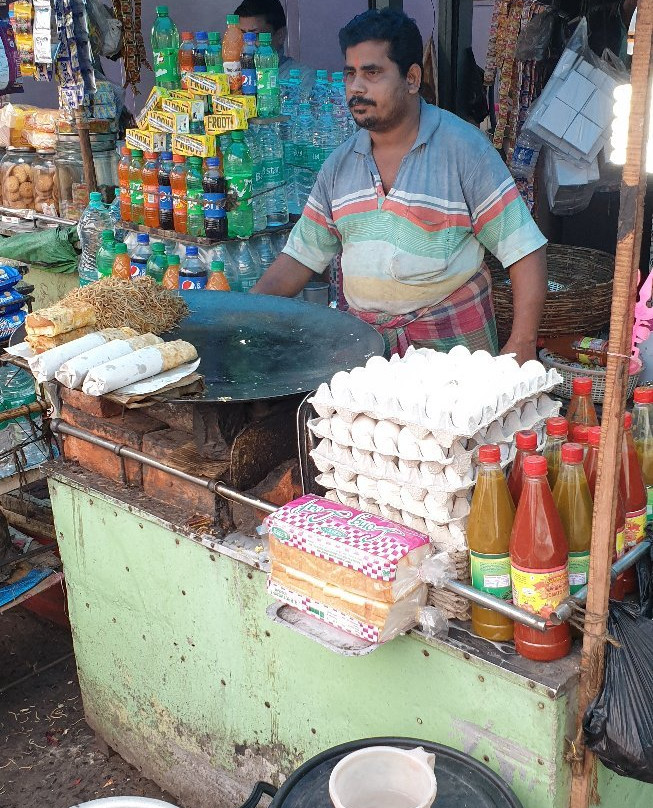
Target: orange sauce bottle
{"x":581,"y":408}
{"x":643,"y":437}
{"x":526,"y":441}
{"x":580,"y":434}
{"x":635,"y":498}
{"x":573,"y":500}
{"x":556,"y":435}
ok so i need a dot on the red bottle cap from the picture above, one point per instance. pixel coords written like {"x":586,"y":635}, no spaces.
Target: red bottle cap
{"x":582,"y":385}
{"x":186,"y":36}
{"x":126,"y":151}
{"x":150,"y":155}
{"x":535,"y":466}
{"x":557,"y":427}
{"x":580,"y":433}
{"x":526,"y":439}
{"x":572,"y":453}
{"x":643,"y":395}
{"x":594,"y":436}
{"x":178,"y":158}
{"x":628,"y":420}
{"x":490,"y":453}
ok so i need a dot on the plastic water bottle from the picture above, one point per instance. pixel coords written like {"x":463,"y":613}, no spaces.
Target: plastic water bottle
{"x":267,"y":77}
{"x":140,"y":256}
{"x":290,"y":99}
{"x":303,"y":152}
{"x":214,"y":54}
{"x":114,"y":209}
{"x":248,"y":273}
{"x":344,"y":122}
{"x":276,"y":203}
{"x":265,"y":252}
{"x":238,"y":173}
{"x":17,"y":390}
{"x":192,"y":273}
{"x":105,"y":255}
{"x":320,"y":92}
{"x":94,"y":219}
{"x":325,"y":136}
{"x":165,"y":49}
{"x":259,"y":209}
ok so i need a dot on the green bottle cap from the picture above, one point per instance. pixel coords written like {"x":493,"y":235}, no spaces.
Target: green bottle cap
{"x":95,"y":196}
{"x":137,"y":152}
{"x":162,"y":11}
{"x":322,"y":74}
{"x":120,"y":248}
{"x":265,"y":39}
{"x":233,"y":19}
{"x":214,"y":37}
{"x":106,"y":235}
{"x":237,"y":135}
{"x":173,"y":260}
{"x":217,"y":266}
{"x":159,"y":248}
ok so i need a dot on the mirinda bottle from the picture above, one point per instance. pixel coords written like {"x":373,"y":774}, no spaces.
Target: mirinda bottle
{"x":123,"y":182}
{"x":539,"y":565}
{"x":526,"y":441}
{"x":151,"y":189}
{"x":178,"y":187}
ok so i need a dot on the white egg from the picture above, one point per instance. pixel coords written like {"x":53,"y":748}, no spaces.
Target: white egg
{"x":340,"y":388}
{"x":408,"y":445}
{"x":459,"y":354}
{"x":340,"y":430}
{"x":535,"y":373}
{"x":367,"y":487}
{"x":386,"y":434}
{"x":431,"y":450}
{"x":362,"y":432}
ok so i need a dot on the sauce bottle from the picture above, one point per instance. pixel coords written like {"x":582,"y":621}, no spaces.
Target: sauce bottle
{"x":121,"y":262}
{"x":526,"y":441}
{"x":217,"y":281}
{"x":573,"y":500}
{"x":151,"y":189}
{"x":591,"y":465}
{"x":643,"y":437}
{"x":577,"y":348}
{"x":635,"y":499}
{"x":232,"y":47}
{"x":581,"y":408}
{"x":580,"y":434}
{"x":488,"y":535}
{"x":178,"y":186}
{"x":538,"y":565}
{"x":556,"y":434}
{"x":136,"y":187}
{"x":123,"y":181}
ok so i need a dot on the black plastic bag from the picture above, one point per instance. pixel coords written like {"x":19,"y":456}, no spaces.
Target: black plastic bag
{"x":618,"y":725}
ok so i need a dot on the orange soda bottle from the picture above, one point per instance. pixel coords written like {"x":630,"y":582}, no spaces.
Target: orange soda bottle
{"x":123,"y":182}
{"x":232,"y":47}
{"x":217,"y":281}
{"x":178,"y":187}
{"x":121,"y":262}
{"x":151,"y":189}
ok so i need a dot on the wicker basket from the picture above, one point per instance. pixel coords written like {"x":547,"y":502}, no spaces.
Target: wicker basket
{"x":580,"y":292}
{"x":569,"y":370}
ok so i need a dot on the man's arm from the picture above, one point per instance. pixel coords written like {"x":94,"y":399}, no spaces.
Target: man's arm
{"x":286,"y":277}
{"x":528,"y":277}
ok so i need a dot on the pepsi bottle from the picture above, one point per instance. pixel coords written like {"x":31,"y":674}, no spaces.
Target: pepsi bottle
{"x":165,"y":192}
{"x":192,"y":273}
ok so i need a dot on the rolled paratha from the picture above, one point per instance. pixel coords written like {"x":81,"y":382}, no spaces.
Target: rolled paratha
{"x":41,"y":344}
{"x":59,"y":319}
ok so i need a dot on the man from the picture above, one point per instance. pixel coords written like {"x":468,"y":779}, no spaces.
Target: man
{"x":268,"y":17}
{"x":412,"y":200}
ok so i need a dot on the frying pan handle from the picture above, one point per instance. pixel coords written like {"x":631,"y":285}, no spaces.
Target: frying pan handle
{"x":260,"y":789}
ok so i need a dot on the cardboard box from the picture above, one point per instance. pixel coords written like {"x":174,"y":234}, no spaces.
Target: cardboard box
{"x":147,"y":141}
{"x":214,"y":84}
{"x":194,"y":107}
{"x":177,"y":123}
{"x":154,"y":101}
{"x":194,"y":145}
{"x":248,"y":102}
{"x":225,"y":121}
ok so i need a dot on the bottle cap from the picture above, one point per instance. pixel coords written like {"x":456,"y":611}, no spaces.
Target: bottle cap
{"x":643,"y":395}
{"x":249,"y":37}
{"x":213,"y":162}
{"x":192,"y":251}
{"x":628,"y":420}
{"x":195,"y":161}
{"x":162,"y":11}
{"x":594,"y":436}
{"x":186,"y":36}
{"x":535,"y":466}
{"x":106,"y":234}
{"x":233,"y":19}
{"x":137,"y":152}
{"x":582,"y":385}
{"x":489,"y":453}
{"x":526,"y":439}
{"x":150,"y":155}
{"x":217,"y":266}
{"x":199,"y":69}
{"x":265,"y":39}
{"x":166,"y":155}
{"x":125,"y":151}
{"x":120,"y":248}
{"x":95,"y":196}
{"x":237,"y":135}
{"x":178,"y":158}
{"x":214,"y":37}
{"x":580,"y":433}
{"x":572,"y":453}
{"x":322,"y":74}
{"x":202,"y":35}
{"x":557,"y":427}
{"x":173,"y":260}
{"x":142,"y":238}
{"x":158,"y":248}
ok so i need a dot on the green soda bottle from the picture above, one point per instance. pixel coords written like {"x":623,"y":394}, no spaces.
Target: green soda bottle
{"x":195,"y":197}
{"x":106,"y":254}
{"x":165,"y":49}
{"x":238,"y":171}
{"x":157,"y":263}
{"x":266,"y":60}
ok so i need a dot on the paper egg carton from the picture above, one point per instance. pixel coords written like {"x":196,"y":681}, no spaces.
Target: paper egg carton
{"x":449,"y":396}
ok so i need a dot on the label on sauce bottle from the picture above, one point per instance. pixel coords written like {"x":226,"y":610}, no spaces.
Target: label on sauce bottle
{"x":620,"y":542}
{"x":649,"y":503}
{"x":579,"y":567}
{"x":539,"y":591}
{"x":635,"y":527}
{"x":491,"y":574}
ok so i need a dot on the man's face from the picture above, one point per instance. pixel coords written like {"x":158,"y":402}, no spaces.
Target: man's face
{"x":258,"y":25}
{"x":377,"y":93}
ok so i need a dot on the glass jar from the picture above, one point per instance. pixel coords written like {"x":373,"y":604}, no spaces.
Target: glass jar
{"x":16,"y":178}
{"x":46,"y":186}
{"x":72,"y":186}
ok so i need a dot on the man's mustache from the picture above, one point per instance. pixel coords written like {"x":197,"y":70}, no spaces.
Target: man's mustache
{"x":361,"y":102}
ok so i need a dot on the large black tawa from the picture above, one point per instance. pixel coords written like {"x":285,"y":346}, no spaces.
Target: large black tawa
{"x":462,"y":781}
{"x":258,"y":346}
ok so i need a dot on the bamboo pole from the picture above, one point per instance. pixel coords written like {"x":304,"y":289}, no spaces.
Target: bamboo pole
{"x":629,"y":237}
{"x":87,"y":152}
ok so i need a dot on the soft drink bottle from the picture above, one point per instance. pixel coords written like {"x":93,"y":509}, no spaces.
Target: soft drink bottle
{"x":217,"y":281}
{"x":252,"y":137}
{"x":178,"y":186}
{"x":114,"y":209}
{"x":166,"y":220}
{"x":105,"y":254}
{"x":171,"y":277}
{"x":214,"y":54}
{"x":158,"y":262}
{"x":215,"y":201}
{"x":192,"y":273}
{"x":273,"y":176}
{"x":194,"y":197}
{"x":238,"y":173}
{"x":248,"y":273}
{"x":136,"y":187}
{"x":186,"y":62}
{"x":247,"y":66}
{"x":232,"y":47}
{"x":267,"y":78}
{"x":123,"y":181}
{"x":140,"y":256}
{"x":200,"y":50}
{"x":151,"y":189}
{"x":320,"y":92}
{"x":94,"y":220}
{"x":220,"y":252}
{"x":165,"y":49}
{"x":121,"y":262}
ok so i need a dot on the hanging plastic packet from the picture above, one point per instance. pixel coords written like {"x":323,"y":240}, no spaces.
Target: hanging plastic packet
{"x":42,"y":32}
{"x":11,"y":301}
{"x":22,"y":21}
{"x":9,"y":61}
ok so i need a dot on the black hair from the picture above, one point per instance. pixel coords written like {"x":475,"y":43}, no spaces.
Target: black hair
{"x":271,"y":10}
{"x":387,"y":25}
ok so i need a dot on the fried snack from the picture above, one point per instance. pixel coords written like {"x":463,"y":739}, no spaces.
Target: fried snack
{"x":40,"y":344}
{"x":59,"y":319}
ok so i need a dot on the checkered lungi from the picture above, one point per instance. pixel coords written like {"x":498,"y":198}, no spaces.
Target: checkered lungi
{"x":466,"y":317}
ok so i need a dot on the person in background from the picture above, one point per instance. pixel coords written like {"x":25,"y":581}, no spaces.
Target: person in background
{"x":413,"y":200}
{"x":268,"y":17}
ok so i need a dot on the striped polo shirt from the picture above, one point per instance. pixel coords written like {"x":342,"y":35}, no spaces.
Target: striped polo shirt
{"x":452,"y":197}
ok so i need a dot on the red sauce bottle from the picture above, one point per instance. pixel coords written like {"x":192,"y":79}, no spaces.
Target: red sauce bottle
{"x":580,"y":434}
{"x":539,"y":565}
{"x":634,"y":493}
{"x":581,"y":408}
{"x":526,"y":441}
{"x":591,"y":467}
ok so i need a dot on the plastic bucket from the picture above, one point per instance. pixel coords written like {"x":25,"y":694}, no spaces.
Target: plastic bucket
{"x":384,"y":777}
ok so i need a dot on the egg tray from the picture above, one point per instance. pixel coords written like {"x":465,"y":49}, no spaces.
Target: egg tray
{"x":454,"y":606}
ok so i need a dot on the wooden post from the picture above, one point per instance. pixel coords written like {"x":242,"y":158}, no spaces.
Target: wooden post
{"x":87,"y":153}
{"x":629,"y":236}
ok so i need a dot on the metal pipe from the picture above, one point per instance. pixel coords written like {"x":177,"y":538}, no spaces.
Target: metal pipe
{"x":219,"y":488}
{"x":23,"y":410}
{"x":32,"y":216}
{"x":566,"y":608}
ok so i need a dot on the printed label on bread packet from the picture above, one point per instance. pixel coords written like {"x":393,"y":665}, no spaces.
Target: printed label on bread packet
{"x":539,"y":591}
{"x":579,"y":568}
{"x":635,"y":527}
{"x":491,"y":574}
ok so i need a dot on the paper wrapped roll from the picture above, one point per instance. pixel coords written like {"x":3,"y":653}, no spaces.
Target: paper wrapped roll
{"x":59,"y":319}
{"x":73,"y":372}
{"x":135,"y":367}
{"x":45,"y":365}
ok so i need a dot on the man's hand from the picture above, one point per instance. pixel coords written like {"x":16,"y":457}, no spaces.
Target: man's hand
{"x":285,"y":277}
{"x":528,"y":278}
